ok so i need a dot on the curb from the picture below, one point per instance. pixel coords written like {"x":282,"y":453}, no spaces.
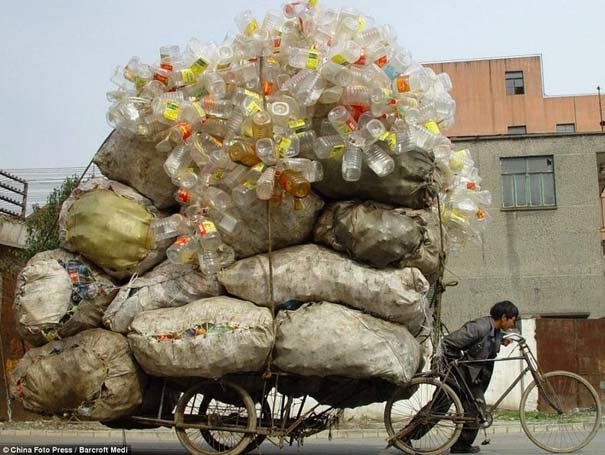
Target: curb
{"x":168,"y":434}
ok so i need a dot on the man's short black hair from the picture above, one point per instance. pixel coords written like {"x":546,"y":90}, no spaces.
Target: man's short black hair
{"x":504,"y":308}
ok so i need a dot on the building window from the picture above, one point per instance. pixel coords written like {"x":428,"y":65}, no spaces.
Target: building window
{"x":566,"y":127}
{"x":528,"y":182}
{"x":519,"y":129}
{"x":514,"y":83}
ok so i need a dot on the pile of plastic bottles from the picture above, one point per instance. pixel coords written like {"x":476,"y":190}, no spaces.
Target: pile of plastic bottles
{"x":247,"y":119}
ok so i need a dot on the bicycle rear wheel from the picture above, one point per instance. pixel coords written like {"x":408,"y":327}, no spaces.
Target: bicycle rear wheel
{"x":560,"y":413}
{"x":424,"y":417}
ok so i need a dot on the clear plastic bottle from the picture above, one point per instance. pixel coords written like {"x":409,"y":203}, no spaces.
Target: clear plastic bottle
{"x":266,"y":151}
{"x":183,"y":250}
{"x":166,"y":228}
{"x":326,"y":146}
{"x":379,"y":161}
{"x":262,"y":126}
{"x":177,"y":161}
{"x":342,"y":121}
{"x":244,"y":195}
{"x":345,"y":52}
{"x":294,"y":183}
{"x":358,"y":95}
{"x":207,"y":234}
{"x":242,"y":151}
{"x":234,"y":124}
{"x":246,"y":23}
{"x":397,"y":63}
{"x":287,"y":145}
{"x":265,"y":184}
{"x":311,"y":170}
{"x":351,"y":164}
{"x":234,"y":177}
{"x":214,"y":84}
{"x":306,"y":140}
{"x":304,"y":58}
{"x":209,"y":261}
{"x":217,"y":107}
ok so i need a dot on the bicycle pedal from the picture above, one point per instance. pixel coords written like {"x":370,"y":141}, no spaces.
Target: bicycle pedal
{"x":485,"y":442}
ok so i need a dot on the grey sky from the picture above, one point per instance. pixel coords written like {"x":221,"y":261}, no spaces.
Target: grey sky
{"x":58,"y":55}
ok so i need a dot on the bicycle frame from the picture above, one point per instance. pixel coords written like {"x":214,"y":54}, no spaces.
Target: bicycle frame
{"x":531,"y":365}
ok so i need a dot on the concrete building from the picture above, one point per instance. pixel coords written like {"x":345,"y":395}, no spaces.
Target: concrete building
{"x":506,"y":96}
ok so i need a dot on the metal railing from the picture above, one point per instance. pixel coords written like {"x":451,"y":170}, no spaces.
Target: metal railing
{"x":13,"y":195}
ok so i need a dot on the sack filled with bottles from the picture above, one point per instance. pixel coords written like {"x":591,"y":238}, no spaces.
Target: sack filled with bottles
{"x":58,"y":295}
{"x":167,"y":285}
{"x":135,"y":162}
{"x":91,"y":375}
{"x":108,"y":223}
{"x":326,"y":339}
{"x":207,"y":338}
{"x":311,"y":273}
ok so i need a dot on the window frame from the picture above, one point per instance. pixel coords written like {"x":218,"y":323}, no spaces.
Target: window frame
{"x":517,"y":82}
{"x":573,"y":125}
{"x":512,"y":127}
{"x":528,"y":182}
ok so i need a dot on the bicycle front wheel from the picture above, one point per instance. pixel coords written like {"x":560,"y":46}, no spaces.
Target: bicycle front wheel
{"x":424,"y":417}
{"x":560,"y":413}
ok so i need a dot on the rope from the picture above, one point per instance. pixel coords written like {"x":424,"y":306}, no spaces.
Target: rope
{"x":268,"y":373}
{"x":439,"y":287}
{"x":9,"y":410}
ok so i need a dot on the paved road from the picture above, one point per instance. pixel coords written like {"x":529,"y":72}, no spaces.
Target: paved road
{"x":501,"y":444}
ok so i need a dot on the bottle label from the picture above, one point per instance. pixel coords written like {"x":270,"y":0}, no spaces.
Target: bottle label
{"x":432,"y":127}
{"x":199,"y":66}
{"x":380,"y":62}
{"x":171,"y":111}
{"x":252,"y":94}
{"x":206,"y":227}
{"x":218,"y":174}
{"x":199,"y":109}
{"x":403,"y":84}
{"x":253,"y":107}
{"x":183,"y":196}
{"x":260,"y":167}
{"x":251,"y":27}
{"x":276,"y":45}
{"x":312,"y":60}
{"x":390,"y":138}
{"x":337,"y":151}
{"x":161,"y":78}
{"x":298,"y":123}
{"x":299,"y":204}
{"x":391,"y":72}
{"x":249,"y":184}
{"x":340,"y":59}
{"x":184,"y":129}
{"x":361,"y":24}
{"x":188,"y":76}
{"x":283,"y":146}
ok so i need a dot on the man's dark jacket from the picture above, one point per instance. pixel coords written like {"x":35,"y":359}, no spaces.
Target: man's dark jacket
{"x":478,"y":340}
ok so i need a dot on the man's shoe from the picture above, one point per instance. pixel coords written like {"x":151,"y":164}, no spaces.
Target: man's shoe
{"x":465,"y":449}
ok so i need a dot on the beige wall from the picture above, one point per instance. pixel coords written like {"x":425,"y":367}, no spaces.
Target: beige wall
{"x":483,"y":107}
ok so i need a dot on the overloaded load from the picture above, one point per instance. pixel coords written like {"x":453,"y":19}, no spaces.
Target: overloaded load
{"x":108,"y":223}
{"x":291,"y":224}
{"x":207,"y":338}
{"x":167,"y":285}
{"x":412,"y":184}
{"x":325,"y":339}
{"x":310,"y":273}
{"x":382,"y":236}
{"x":58,"y":295}
{"x":136,"y":163}
{"x":91,"y":375}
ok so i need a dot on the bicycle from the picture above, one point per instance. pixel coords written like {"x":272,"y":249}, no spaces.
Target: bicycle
{"x":559,"y":411}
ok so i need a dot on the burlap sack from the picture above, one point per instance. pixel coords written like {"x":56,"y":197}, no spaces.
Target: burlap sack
{"x":91,"y":375}
{"x":326,"y":339}
{"x":167,"y":285}
{"x":136,"y":163}
{"x":49,"y":304}
{"x":206,"y":338}
{"x":108,"y":223}
{"x":310,"y":273}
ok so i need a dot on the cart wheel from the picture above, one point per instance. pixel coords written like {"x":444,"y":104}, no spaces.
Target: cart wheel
{"x":233,"y":416}
{"x":221,"y":441}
